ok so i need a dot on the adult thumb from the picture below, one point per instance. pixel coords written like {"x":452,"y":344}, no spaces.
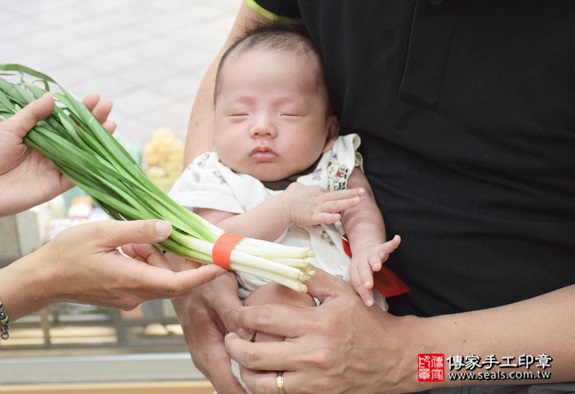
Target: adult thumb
{"x":323,"y":285}
{"x":25,"y":119}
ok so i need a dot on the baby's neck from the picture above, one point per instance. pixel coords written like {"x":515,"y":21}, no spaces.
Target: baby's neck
{"x":282,"y":184}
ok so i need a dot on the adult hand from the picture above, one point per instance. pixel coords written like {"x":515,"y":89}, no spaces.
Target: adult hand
{"x":28,"y":178}
{"x":206,"y":315}
{"x":341,"y":346}
{"x":82,"y":264}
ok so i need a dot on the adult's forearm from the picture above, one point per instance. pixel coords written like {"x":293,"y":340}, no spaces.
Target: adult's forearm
{"x":520,"y":337}
{"x":200,"y":134}
{"x":21,"y":285}
{"x":333,"y":339}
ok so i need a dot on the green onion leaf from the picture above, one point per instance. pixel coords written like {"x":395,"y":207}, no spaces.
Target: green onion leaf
{"x":96,"y":162}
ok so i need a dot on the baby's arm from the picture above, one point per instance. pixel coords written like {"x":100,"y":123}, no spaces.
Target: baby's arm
{"x":298,"y":204}
{"x":365,"y":230}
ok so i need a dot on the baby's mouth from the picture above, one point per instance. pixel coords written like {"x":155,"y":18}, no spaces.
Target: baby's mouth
{"x":263,"y":154}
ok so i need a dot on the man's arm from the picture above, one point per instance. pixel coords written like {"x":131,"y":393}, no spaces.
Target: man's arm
{"x":330,"y":339}
{"x":200,"y":134}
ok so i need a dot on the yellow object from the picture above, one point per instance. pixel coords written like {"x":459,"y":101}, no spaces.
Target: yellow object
{"x":163,"y":158}
{"x":81,"y":207}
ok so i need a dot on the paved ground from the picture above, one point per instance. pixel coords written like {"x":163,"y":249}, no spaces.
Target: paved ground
{"x":148,"y":56}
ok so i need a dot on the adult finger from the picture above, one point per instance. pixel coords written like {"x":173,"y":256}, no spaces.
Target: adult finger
{"x":293,"y":320}
{"x":114,"y":233}
{"x":221,"y":373}
{"x":289,"y":321}
{"x":110,"y":126}
{"x":178,"y":263}
{"x":268,"y":356}
{"x":175,"y":284}
{"x":334,"y":341}
{"x":151,"y":255}
{"x":292,"y":382}
{"x":101,"y":109}
{"x":262,"y":381}
{"x":192,"y":278}
{"x":145,"y":253}
{"x":206,"y":314}
{"x":91,"y":100}
{"x":282,"y":320}
{"x":23,"y":121}
{"x":156,"y":281}
{"x":325,"y":286}
{"x":211,"y":359}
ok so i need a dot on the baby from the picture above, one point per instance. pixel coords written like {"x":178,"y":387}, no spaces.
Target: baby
{"x":279,"y":171}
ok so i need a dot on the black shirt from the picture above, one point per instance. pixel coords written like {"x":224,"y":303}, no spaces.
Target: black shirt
{"x":466,"y":111}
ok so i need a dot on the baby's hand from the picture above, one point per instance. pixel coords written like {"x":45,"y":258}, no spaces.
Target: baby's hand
{"x":366,"y":260}
{"x":313,"y":205}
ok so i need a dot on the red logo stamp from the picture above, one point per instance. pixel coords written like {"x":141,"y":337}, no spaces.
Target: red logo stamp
{"x":430,"y":367}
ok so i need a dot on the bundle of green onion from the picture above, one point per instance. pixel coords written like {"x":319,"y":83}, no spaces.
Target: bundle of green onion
{"x":96,"y":162}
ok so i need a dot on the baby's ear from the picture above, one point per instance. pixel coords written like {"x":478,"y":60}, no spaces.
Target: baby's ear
{"x":332,"y":132}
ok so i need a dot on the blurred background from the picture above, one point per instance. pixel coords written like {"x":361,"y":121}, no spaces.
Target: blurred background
{"x":148,"y":57}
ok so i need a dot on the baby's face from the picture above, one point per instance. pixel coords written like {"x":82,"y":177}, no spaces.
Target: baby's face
{"x":271,"y":114}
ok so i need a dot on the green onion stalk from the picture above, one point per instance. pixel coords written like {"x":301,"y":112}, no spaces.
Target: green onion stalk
{"x":96,"y":162}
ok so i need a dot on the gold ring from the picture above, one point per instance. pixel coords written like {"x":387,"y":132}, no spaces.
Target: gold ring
{"x":280,"y":383}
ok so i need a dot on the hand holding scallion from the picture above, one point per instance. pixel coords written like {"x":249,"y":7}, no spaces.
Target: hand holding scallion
{"x":109,"y":278}
{"x":82,"y":264}
{"x":27,"y":177}
{"x":91,"y":158}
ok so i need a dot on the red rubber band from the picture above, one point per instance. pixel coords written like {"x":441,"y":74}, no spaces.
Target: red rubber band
{"x":223,"y":247}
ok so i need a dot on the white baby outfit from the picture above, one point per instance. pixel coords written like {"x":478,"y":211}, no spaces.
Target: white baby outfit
{"x":208,"y":183}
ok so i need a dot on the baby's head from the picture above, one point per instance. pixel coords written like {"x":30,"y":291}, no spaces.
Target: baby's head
{"x":273,"y":115}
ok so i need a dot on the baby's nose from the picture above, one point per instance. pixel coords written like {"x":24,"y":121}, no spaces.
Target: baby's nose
{"x":263,"y":128}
